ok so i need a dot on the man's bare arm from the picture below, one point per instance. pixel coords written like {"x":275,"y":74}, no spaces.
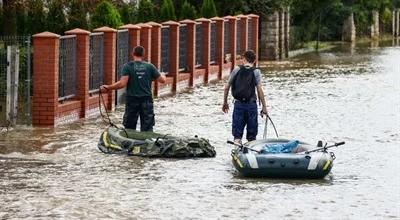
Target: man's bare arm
{"x":118,"y":85}
{"x":225,"y":106}
{"x":162,"y":78}
{"x":261,"y":97}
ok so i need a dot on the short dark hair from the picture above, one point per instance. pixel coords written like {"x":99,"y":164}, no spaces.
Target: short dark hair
{"x":138,"y":51}
{"x":250,"y":56}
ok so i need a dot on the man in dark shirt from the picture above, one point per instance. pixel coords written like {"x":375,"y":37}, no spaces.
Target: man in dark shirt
{"x":137,"y":76}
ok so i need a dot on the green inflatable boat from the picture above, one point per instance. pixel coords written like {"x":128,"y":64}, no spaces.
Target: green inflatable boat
{"x":149,"y":144}
{"x":302,"y":162}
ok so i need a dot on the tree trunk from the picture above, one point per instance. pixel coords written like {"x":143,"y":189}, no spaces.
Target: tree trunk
{"x":9,"y":17}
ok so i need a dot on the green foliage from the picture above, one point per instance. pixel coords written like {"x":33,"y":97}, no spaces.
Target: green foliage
{"x":208,"y":9}
{"x":188,"y":11}
{"x":145,"y":11}
{"x":167,"y":11}
{"x":77,"y":15}
{"x":56,"y":21}
{"x":127,"y":12}
{"x":106,"y":15}
{"x":36,"y":20}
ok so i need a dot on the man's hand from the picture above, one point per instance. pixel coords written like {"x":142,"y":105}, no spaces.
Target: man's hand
{"x":104,"y":88}
{"x":263,"y":111}
{"x":225,"y":107}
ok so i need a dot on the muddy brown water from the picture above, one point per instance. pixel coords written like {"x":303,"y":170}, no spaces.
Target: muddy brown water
{"x":346,"y":94}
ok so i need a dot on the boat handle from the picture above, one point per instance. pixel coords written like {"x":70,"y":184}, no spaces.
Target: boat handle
{"x":271,"y":161}
{"x":297,"y":161}
{"x":283,"y":164}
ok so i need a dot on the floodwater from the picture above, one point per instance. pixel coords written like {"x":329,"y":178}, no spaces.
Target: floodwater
{"x":347,"y":94}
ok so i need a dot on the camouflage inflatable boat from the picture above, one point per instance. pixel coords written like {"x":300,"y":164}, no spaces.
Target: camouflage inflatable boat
{"x":149,"y":144}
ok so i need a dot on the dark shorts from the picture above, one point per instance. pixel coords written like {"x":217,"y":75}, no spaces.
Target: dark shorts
{"x":245,"y":115}
{"x":139,"y":107}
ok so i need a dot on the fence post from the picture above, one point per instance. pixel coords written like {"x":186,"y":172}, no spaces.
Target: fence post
{"x":191,"y":49}
{"x":45,"y":78}
{"x":206,"y":42}
{"x":134,"y":37}
{"x":82,"y":68}
{"x":173,"y":51}
{"x":155,"y":50}
{"x":243,"y":22}
{"x":145,"y":40}
{"x":219,"y":45}
{"x":232,"y":39}
{"x":110,"y":36}
{"x":255,"y":29}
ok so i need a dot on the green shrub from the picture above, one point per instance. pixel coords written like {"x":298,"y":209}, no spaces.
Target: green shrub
{"x":127,"y":12}
{"x":208,"y":9}
{"x":77,"y":15}
{"x":188,"y":11}
{"x":56,"y":22}
{"x":145,"y":11}
{"x":1,"y":21}
{"x":106,"y":15}
{"x":167,"y":11}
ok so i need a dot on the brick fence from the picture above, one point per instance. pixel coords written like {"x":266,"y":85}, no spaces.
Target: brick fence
{"x":192,"y":52}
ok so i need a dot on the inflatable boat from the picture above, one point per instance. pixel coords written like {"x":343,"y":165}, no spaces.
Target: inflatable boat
{"x":148,"y":144}
{"x":303,"y":161}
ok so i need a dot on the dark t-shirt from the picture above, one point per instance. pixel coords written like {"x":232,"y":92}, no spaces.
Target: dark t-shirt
{"x":141,"y":74}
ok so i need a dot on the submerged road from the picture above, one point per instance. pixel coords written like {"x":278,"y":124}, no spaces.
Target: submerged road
{"x":350,"y":95}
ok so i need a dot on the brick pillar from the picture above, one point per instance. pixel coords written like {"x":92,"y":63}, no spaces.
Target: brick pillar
{"x":134,"y":37}
{"x":270,"y":37}
{"x":206,"y":44}
{"x":243,"y":22}
{"x":349,"y":29}
{"x":155,"y":49}
{"x":255,"y":24}
{"x":232,"y":39}
{"x":46,"y":47}
{"x":82,"y":67}
{"x":110,"y":37}
{"x":145,"y":40}
{"x":173,"y":51}
{"x":191,"y":49}
{"x":219,"y":45}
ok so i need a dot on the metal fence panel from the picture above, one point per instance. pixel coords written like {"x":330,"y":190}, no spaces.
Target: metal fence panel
{"x":250,"y":35}
{"x":122,"y":51}
{"x":96,"y":61}
{"x":199,"y":44}
{"x":238,"y":37}
{"x":122,"y":57}
{"x":213,"y":54}
{"x":24,"y":88}
{"x":165,"y":49}
{"x":183,"y":47}
{"x":67,"y":69}
{"x":226,"y":38}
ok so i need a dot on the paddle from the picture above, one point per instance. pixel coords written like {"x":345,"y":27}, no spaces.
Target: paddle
{"x":242,"y":147}
{"x":325,"y":147}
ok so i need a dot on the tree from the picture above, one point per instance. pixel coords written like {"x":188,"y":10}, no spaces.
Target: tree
{"x":36,"y":17}
{"x":145,"y":11}
{"x":1,"y":20}
{"x":188,"y":11}
{"x":127,"y":12}
{"x":21,"y":19}
{"x":167,"y":11}
{"x":77,"y":15}
{"x":208,"y":9}
{"x":9,"y":17}
{"x":106,"y":15}
{"x":56,"y":21}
